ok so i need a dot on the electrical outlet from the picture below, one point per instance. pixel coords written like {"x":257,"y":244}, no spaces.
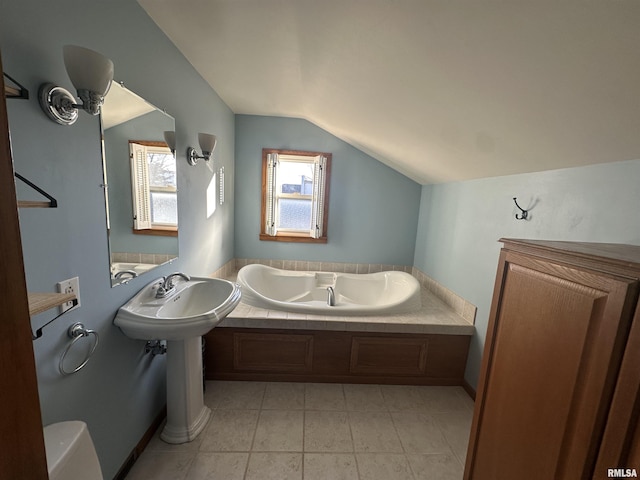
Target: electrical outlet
{"x":72,"y":285}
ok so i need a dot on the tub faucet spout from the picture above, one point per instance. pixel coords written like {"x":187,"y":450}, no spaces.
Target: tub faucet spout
{"x":331,"y":297}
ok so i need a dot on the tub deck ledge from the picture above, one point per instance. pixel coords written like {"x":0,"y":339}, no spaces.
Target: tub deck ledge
{"x":435,"y":317}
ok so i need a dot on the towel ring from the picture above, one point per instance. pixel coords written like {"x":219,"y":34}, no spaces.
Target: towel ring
{"x":77,"y":331}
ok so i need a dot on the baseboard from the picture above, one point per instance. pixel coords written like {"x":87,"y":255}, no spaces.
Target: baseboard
{"x":469,"y":389}
{"x":142,"y":444}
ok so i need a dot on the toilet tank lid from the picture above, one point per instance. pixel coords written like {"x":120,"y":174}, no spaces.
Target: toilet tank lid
{"x":61,"y":440}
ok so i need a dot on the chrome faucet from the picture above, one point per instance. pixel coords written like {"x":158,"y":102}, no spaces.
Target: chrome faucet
{"x":123,"y":273}
{"x":167,"y":285}
{"x":331,"y":297}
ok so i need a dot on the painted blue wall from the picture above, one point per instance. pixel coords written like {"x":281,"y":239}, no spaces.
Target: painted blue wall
{"x":373,"y":210}
{"x":121,"y":390}
{"x":460,"y":225}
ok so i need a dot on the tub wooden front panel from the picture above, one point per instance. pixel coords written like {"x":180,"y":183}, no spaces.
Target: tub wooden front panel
{"x":393,"y":356}
{"x":326,"y":356}
{"x":274,"y":352}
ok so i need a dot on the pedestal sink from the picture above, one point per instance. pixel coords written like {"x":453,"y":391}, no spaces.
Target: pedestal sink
{"x":185,"y":313}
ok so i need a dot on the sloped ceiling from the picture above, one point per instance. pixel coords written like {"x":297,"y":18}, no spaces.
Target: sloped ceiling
{"x":439,"y":90}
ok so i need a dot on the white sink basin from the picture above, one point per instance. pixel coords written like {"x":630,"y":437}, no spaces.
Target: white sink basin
{"x":181,"y":317}
{"x":194,"y":308}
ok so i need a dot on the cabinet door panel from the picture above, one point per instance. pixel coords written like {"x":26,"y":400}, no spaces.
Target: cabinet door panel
{"x":548,"y":371}
{"x":620,"y":446}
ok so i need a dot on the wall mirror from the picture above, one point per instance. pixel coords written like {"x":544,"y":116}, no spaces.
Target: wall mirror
{"x":140,"y":178}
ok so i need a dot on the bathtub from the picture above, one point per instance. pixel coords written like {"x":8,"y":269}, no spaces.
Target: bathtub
{"x":308,"y":292}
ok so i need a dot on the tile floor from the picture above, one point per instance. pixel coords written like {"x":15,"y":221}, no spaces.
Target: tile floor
{"x":261,"y":431}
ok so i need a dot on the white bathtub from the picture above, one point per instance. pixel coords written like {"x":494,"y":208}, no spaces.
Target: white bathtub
{"x":307,"y":292}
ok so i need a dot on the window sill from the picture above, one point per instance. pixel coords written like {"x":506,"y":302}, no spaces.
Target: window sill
{"x":158,"y":231}
{"x":292,"y":238}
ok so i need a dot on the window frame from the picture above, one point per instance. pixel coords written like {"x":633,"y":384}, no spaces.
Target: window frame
{"x":289,"y":236}
{"x":158,"y":229}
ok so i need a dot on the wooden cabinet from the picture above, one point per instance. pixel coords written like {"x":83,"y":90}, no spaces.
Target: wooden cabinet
{"x":558,"y":391}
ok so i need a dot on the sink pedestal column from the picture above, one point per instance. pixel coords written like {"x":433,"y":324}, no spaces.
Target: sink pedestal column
{"x":187,"y":414}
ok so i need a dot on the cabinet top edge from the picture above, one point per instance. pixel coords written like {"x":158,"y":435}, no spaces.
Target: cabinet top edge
{"x":618,"y":254}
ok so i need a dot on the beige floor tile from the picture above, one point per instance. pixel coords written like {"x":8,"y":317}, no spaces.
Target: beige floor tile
{"x":212,"y":391}
{"x":218,"y":466}
{"x":364,"y":398}
{"x":383,"y":466}
{"x":435,"y":467}
{"x":466,"y":399}
{"x":419,"y":433}
{"x":333,"y":466}
{"x":374,"y":432}
{"x":444,"y":399}
{"x":327,"y":431}
{"x":241,"y":395}
{"x":161,"y":466}
{"x":274,"y":466}
{"x":283,"y":396}
{"x":258,"y":431}
{"x":230,"y":431}
{"x":279,"y":431}
{"x":456,"y":427}
{"x":403,"y":398}
{"x":324,"y":396}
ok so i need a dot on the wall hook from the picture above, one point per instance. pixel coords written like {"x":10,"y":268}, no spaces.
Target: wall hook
{"x":525,"y":213}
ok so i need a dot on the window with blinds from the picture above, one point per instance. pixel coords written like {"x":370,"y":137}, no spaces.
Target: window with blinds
{"x":295,"y":195}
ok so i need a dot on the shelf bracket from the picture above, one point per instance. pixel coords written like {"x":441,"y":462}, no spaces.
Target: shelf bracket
{"x":19,"y":92}
{"x":53,"y":203}
{"x":38,"y":333}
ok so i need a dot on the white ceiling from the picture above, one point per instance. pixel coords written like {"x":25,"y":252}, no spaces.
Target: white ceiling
{"x":121,"y":105}
{"x":440,"y":90}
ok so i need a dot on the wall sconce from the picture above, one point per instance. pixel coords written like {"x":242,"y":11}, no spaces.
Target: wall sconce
{"x":207,"y":145}
{"x":91,"y":74}
{"x":170,"y":140}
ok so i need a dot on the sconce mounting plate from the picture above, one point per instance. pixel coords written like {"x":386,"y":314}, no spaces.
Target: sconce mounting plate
{"x":58,"y":103}
{"x":192,"y":156}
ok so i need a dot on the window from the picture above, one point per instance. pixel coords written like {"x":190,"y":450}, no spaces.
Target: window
{"x":154,"y":188}
{"x":295,"y":196}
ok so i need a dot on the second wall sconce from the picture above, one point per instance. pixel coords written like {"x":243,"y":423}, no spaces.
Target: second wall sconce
{"x":207,"y":145}
{"x":91,"y":74}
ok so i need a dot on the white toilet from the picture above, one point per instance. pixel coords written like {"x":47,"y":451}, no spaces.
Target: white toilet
{"x":70,"y":452}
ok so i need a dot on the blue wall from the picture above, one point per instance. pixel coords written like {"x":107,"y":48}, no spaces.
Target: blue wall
{"x":373,"y":210}
{"x":460,"y":225}
{"x":120,"y":391}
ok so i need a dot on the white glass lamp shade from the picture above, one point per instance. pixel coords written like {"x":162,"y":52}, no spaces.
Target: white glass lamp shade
{"x":170,"y":139}
{"x":207,"y":143}
{"x":88,"y":70}
{"x":91,"y":73}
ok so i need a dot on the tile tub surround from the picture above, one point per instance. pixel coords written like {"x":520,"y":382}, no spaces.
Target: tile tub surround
{"x":127,"y":257}
{"x":309,"y":431}
{"x":426,"y":347}
{"x":442,"y":312}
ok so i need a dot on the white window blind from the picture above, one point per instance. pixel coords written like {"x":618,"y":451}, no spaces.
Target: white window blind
{"x":140,"y":181}
{"x":271,"y":201}
{"x":317,"y":201}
